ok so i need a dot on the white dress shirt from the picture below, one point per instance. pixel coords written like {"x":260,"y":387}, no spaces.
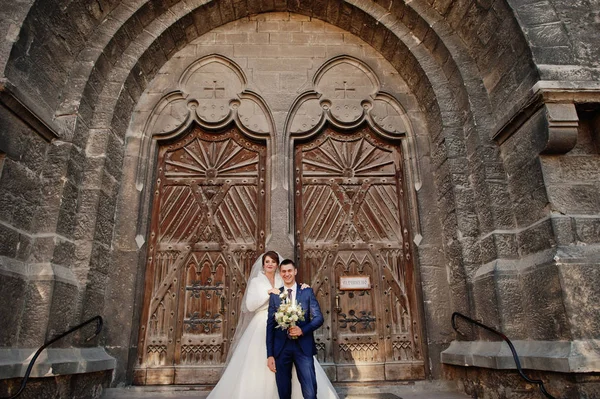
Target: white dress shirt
{"x":293,"y":288}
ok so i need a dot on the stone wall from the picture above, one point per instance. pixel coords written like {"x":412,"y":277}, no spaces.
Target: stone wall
{"x":76,"y":386}
{"x":507,"y":201}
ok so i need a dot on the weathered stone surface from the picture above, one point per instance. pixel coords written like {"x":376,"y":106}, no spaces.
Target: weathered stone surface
{"x":36,"y":310}
{"x":9,"y":241}
{"x":580,"y":285}
{"x":65,"y":308}
{"x":80,"y":386}
{"x":464,"y":65}
{"x":12,"y":286}
{"x":544,"y":304}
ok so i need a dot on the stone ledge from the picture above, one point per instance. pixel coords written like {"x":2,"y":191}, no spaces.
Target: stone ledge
{"x":37,"y":271}
{"x":560,"y":356}
{"x":12,"y":99}
{"x":54,"y":361}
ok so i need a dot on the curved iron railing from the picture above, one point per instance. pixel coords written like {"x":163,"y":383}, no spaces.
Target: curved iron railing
{"x":540,"y":383}
{"x":99,"y":325}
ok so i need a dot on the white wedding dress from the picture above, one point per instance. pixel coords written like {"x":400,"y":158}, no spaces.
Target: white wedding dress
{"x":247,"y":375}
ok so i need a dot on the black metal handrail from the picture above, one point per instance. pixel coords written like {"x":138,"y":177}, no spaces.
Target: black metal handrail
{"x":540,"y":383}
{"x":53,"y":340}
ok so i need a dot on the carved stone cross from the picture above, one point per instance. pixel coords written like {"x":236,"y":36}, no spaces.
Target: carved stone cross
{"x":345,"y":89}
{"x":214,"y":89}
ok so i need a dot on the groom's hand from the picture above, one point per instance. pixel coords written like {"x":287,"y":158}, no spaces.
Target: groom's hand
{"x":295,"y":331}
{"x":271,"y":363}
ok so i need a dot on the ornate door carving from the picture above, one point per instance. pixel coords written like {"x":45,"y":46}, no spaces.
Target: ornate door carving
{"x":351,"y":220}
{"x":208,"y":224}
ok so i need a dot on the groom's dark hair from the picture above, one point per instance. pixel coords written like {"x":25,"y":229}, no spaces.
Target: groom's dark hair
{"x":288,"y":262}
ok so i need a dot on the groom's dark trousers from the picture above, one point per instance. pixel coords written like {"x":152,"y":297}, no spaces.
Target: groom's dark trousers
{"x":305,"y":368}
{"x":300,"y":351}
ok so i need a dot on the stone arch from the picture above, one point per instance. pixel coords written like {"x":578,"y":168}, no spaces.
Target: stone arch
{"x":112,"y":74}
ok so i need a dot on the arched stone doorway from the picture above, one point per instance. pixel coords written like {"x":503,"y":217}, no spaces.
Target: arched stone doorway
{"x":193,"y":285}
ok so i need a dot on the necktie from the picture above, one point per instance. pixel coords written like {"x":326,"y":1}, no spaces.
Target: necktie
{"x":290,"y":294}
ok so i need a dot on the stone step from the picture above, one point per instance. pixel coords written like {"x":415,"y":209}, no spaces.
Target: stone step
{"x":410,"y":390}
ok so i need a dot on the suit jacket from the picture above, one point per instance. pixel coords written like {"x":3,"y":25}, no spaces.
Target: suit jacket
{"x":313,"y":319}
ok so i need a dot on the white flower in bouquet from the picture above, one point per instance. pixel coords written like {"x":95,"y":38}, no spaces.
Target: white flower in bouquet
{"x":289,"y":313}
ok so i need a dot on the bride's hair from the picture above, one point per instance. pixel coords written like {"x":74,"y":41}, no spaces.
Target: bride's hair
{"x":271,"y":254}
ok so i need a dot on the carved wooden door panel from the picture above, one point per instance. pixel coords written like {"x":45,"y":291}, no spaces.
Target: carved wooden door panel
{"x":351,"y":220}
{"x":208,"y":224}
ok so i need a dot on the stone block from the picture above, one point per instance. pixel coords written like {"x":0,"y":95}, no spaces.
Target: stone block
{"x":292,"y":82}
{"x":64,"y":310}
{"x":563,"y":230}
{"x":86,"y":216}
{"x":523,"y":184}
{"x":100,"y":258}
{"x":36,"y":311}
{"x":66,"y":222}
{"x":468,"y":224}
{"x":538,"y":13}
{"x":488,"y":249}
{"x":511,"y":304}
{"x":64,"y":252}
{"x":558,"y":356}
{"x":439,"y":154}
{"x":437,"y":312}
{"x":446,"y":203}
{"x":536,"y":238}
{"x":126,"y":279}
{"x":94,"y":295}
{"x":506,"y":245}
{"x":74,"y":172}
{"x":114,"y":152}
{"x":19,"y":180}
{"x":12,"y":285}
{"x":531,"y":207}
{"x":56,"y":362}
{"x":548,"y":35}
{"x":543,"y":304}
{"x":430,"y":255}
{"x":574,"y":198}
{"x":555,"y":55}
{"x":430,"y":221}
{"x":105,"y":219}
{"x":585,"y":169}
{"x":471,"y":251}
{"x":121,"y":118}
{"x":23,"y":217}
{"x":280,"y":65}
{"x":7,"y":201}
{"x":9,"y":241}
{"x":580,"y":284}
{"x":486,"y":303}
{"x":587,"y":230}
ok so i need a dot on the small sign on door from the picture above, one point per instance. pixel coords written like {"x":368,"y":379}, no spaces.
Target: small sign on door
{"x":355,"y":282}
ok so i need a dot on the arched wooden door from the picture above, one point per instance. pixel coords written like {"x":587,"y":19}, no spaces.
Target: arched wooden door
{"x":208,"y":225}
{"x":352,"y":223}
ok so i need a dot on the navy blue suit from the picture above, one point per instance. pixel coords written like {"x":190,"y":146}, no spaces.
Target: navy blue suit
{"x":298,"y":352}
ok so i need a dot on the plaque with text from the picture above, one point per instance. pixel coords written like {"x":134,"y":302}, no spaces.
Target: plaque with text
{"x":355,"y":282}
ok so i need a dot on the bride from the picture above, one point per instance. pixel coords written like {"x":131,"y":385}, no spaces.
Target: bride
{"x":246,"y":375}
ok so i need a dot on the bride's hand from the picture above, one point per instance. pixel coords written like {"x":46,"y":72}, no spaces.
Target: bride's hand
{"x":273,"y":291}
{"x":304,"y":286}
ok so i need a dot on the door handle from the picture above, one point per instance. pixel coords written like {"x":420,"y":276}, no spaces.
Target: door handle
{"x":337,"y":304}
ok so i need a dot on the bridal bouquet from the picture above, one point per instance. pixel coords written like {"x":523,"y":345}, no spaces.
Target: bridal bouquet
{"x":288,"y":313}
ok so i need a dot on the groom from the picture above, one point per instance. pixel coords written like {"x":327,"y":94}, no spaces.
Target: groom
{"x":296,"y":346}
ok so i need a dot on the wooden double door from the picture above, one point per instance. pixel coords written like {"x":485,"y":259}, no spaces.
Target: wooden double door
{"x":209,"y":218}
